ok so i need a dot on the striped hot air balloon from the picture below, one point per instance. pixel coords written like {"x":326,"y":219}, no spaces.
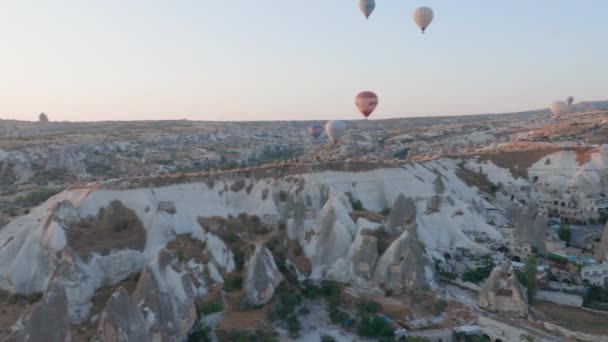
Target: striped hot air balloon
{"x":423,"y":16}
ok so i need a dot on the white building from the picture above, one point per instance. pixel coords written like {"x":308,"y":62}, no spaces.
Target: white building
{"x":595,"y":274}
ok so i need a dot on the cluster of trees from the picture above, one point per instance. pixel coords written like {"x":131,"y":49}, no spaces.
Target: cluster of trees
{"x":527,"y":277}
{"x":564,"y":233}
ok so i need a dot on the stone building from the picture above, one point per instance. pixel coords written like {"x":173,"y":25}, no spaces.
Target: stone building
{"x":595,"y":274}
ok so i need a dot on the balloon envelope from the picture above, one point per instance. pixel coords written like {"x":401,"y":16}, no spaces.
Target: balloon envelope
{"x":569,"y":100}
{"x":559,"y":108}
{"x":315,"y":131}
{"x":423,"y":16}
{"x":335,"y":129}
{"x":367,"y":7}
{"x":366,"y":101}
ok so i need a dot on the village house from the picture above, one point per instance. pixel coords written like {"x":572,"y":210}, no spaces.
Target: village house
{"x":571,"y":206}
{"x":595,"y":274}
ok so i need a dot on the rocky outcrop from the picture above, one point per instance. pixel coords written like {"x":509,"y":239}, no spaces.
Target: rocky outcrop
{"x":363,"y":257}
{"x":403,"y":265}
{"x":433,"y":204}
{"x":438,"y":185}
{"x":166,"y":296}
{"x":332,"y":237}
{"x":262,"y":277}
{"x":512,"y":213}
{"x":48,"y":321}
{"x":503,"y":293}
{"x":79,"y":282}
{"x":167,"y":206}
{"x":121,"y":320}
{"x":402,"y":214}
{"x":531,"y":227}
{"x":601,"y":253}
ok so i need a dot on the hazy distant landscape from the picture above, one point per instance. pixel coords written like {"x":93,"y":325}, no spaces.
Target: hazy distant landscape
{"x":247,"y":227}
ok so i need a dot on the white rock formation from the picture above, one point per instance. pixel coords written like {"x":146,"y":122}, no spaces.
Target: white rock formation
{"x":503,"y":293}
{"x":531,"y":227}
{"x":166,"y":296}
{"x":314,"y":205}
{"x":262,"y":278}
{"x":404,"y":265}
{"x":122,"y":320}
{"x":48,"y":319}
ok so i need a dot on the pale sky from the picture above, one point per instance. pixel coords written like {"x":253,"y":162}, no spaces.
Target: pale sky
{"x":295,"y":59}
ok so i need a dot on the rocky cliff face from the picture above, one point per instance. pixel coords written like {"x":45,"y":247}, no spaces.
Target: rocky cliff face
{"x":176,"y":232}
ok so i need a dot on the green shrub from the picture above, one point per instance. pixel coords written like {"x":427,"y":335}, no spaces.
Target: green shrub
{"x":286,"y":304}
{"x":564,"y":233}
{"x":368,"y":307}
{"x":233,"y":282}
{"x":328,"y":338}
{"x":231,"y":238}
{"x":375,"y":327}
{"x":310,"y":290}
{"x":337,"y":315}
{"x":527,"y":277}
{"x":386,"y":211}
{"x":180,"y":255}
{"x":357,"y":205}
{"x":212,"y":307}
{"x":293,"y":326}
{"x":440,"y":305}
{"x":239,"y":259}
{"x":35,"y":198}
{"x":200,"y":334}
{"x":595,"y":296}
{"x":479,"y":274}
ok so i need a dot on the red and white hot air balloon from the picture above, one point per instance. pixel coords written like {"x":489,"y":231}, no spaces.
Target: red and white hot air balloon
{"x":366,"y":102}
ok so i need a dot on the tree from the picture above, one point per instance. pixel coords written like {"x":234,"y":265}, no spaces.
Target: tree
{"x":43,"y":118}
{"x":564,"y":233}
{"x":527,"y":277}
{"x":603,"y":217}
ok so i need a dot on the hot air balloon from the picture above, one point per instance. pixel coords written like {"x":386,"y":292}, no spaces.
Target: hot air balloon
{"x":366,"y":101}
{"x":423,"y":16}
{"x":367,"y":7}
{"x":559,"y":108}
{"x":315,"y":131}
{"x":569,"y":100}
{"x":335,"y":130}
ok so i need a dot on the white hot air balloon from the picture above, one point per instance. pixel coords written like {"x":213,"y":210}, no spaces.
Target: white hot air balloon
{"x":335,"y":129}
{"x":423,"y":16}
{"x":367,"y":7}
{"x":559,"y":108}
{"x":569,"y":100}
